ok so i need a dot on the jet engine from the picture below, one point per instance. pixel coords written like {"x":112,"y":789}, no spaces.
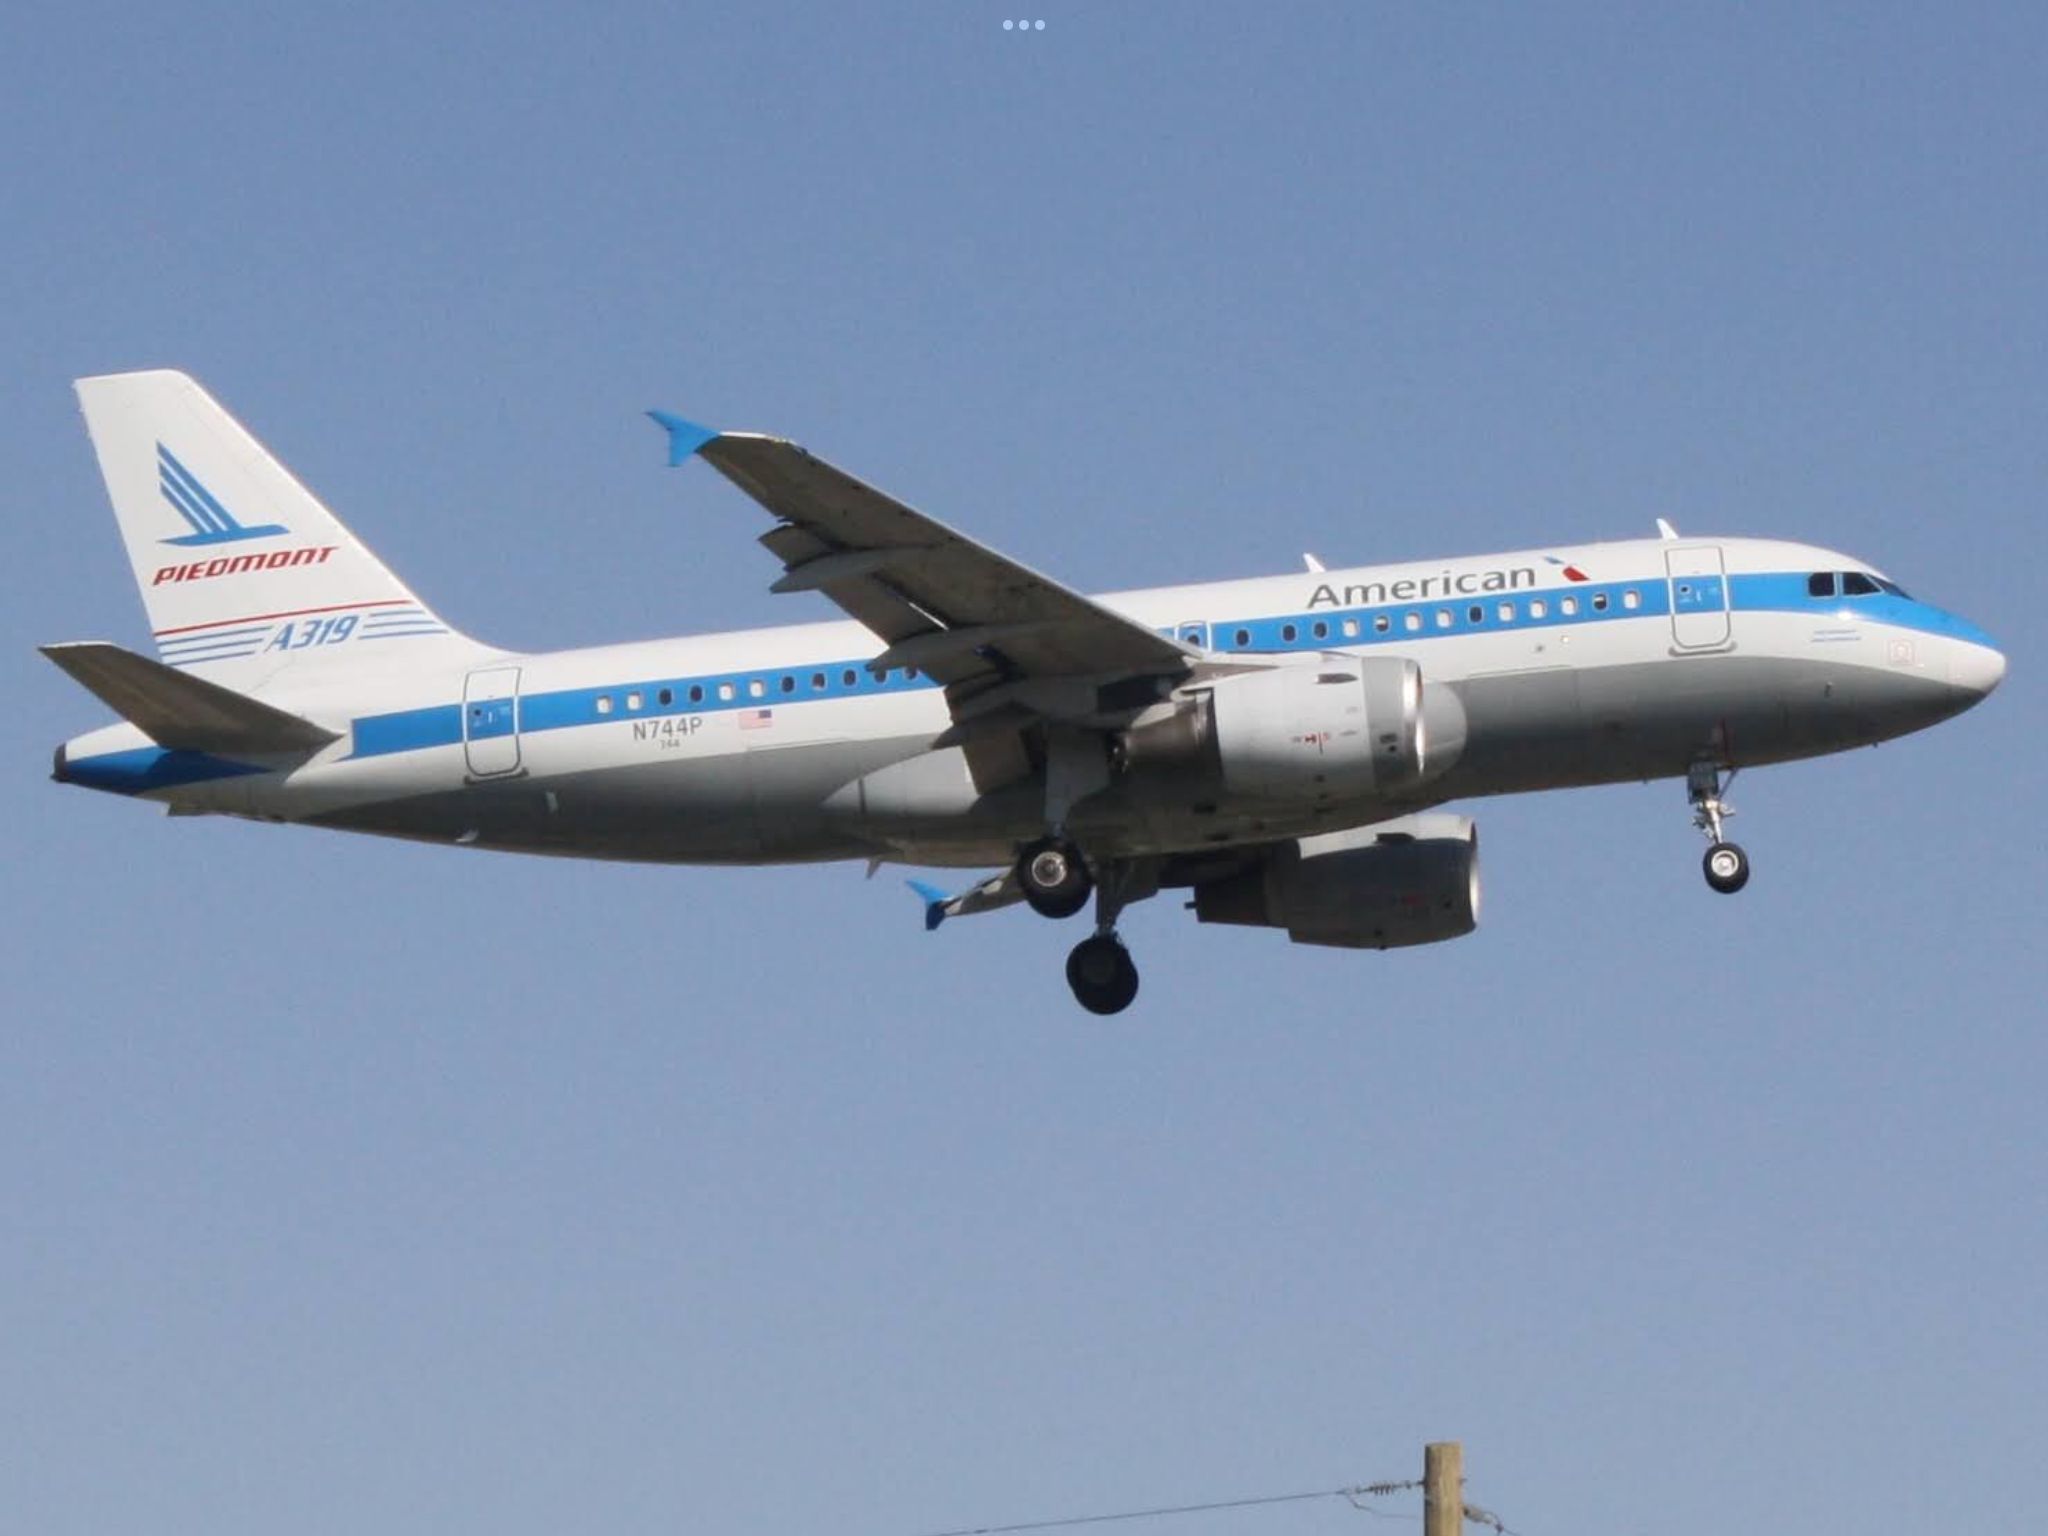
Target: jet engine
{"x":1326,"y":728}
{"x":1411,"y":881}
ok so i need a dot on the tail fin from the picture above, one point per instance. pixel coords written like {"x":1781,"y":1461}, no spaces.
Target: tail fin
{"x":242,"y":570}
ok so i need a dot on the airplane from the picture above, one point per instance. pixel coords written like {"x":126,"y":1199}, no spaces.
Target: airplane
{"x":1279,"y":748}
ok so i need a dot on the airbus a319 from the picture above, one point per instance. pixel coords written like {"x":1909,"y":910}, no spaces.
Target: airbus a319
{"x":1277,"y":747}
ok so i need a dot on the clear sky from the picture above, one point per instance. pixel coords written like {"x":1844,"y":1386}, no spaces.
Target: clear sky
{"x":351,"y":1186}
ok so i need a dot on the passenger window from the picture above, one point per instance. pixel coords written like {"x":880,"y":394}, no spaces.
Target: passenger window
{"x":788,"y":683}
{"x":1477,"y":613}
{"x":1321,"y":630}
{"x":1287,"y":632}
{"x":910,"y":674}
{"x":755,"y":688}
{"x":666,"y":697}
{"x":1411,"y":621}
{"x":1243,"y":638}
{"x":1381,"y":623}
{"x":725,"y":692}
{"x":1351,"y":629}
{"x":1506,"y":612}
{"x":1538,"y":608}
{"x":817,"y":682}
{"x":633,"y":700}
{"x":1599,"y":602}
{"x":1443,"y":618}
{"x":849,"y":678}
{"x":604,"y":703}
{"x":696,"y":693}
{"x":1631,"y":598}
{"x":1856,"y":584}
{"x":1567,"y":606}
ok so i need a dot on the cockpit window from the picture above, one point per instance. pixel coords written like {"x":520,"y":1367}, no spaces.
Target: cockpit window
{"x":1894,"y":588}
{"x":1821,"y":584}
{"x":1856,"y":584}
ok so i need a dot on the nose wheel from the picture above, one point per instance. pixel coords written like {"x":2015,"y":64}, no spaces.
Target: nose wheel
{"x":1726,"y":865}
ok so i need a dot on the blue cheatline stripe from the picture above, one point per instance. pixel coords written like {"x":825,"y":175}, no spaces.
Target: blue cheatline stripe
{"x":145,"y":768}
{"x":1322,"y":629}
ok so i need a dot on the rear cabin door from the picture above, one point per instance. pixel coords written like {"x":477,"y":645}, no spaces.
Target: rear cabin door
{"x":1699,"y":597}
{"x":490,"y":721}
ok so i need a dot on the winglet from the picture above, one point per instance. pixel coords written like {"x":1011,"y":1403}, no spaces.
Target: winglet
{"x":684,"y":437}
{"x":935,"y":901}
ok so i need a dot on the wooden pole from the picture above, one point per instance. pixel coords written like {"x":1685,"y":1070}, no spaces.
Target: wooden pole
{"x":1443,"y":1489}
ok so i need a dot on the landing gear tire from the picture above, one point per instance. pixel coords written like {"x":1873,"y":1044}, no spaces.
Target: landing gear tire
{"x":1102,"y":974}
{"x":1053,"y":878}
{"x":1727,"y":868}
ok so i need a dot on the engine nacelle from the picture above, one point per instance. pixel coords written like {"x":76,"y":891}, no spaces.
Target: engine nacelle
{"x":1327,"y":728}
{"x":1411,"y":881}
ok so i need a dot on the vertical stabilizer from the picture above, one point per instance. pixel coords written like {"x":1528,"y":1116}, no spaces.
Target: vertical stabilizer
{"x":243,"y":572}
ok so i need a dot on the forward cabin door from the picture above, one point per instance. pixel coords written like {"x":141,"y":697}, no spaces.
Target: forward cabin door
{"x":490,"y":721}
{"x":1699,"y":597}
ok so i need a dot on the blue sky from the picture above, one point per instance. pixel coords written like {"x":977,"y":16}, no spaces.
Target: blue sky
{"x":354,"y":1186}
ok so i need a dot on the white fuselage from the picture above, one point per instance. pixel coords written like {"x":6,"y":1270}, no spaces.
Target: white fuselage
{"x":1550,"y":668}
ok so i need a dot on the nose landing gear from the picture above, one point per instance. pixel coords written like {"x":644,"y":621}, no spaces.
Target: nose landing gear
{"x":1726,"y":865}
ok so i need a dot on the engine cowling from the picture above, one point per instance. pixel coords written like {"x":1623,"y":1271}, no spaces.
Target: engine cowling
{"x":1411,"y":881}
{"x":1327,"y":728}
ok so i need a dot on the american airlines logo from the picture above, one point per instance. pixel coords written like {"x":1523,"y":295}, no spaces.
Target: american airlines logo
{"x":1408,"y":588}
{"x":212,"y":523}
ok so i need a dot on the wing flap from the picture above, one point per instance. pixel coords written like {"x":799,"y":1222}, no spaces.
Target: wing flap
{"x":182,"y":712}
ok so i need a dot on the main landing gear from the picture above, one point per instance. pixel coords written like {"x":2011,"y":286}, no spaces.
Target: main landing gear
{"x":1056,"y":881}
{"x":1726,"y":865}
{"x":1054,"y":877}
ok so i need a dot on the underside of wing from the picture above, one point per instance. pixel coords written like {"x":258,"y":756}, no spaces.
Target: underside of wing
{"x":968,"y":616}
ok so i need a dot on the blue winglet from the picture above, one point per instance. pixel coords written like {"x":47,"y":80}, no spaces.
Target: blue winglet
{"x":934,"y":903}
{"x":684,"y":437}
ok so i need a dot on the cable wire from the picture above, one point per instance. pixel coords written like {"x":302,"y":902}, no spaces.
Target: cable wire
{"x":1354,"y":1495}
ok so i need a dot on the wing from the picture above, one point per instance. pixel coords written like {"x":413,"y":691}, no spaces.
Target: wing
{"x":971,"y":618}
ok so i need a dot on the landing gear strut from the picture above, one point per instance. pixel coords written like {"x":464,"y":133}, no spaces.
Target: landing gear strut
{"x":1726,"y":865}
{"x":1100,"y":970}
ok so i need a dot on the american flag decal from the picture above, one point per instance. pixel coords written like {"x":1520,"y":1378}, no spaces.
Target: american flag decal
{"x":756,"y":719}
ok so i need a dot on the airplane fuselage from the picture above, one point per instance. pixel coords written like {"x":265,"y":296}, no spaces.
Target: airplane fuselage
{"x":1544,"y":669}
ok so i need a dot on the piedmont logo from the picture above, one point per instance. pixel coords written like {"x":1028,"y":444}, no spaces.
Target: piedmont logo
{"x":212,"y":523}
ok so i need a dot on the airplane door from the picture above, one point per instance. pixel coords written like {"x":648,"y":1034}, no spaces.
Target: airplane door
{"x":490,"y":721}
{"x":1699,"y":597}
{"x":1195,"y":632}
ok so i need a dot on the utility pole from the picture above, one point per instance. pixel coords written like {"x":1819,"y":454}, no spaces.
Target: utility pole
{"x":1443,"y":1489}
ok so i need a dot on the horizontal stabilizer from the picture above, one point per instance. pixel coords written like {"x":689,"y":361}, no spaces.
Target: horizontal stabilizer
{"x":182,"y":712}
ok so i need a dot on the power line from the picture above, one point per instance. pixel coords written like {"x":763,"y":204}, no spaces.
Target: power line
{"x":1354,"y":1496}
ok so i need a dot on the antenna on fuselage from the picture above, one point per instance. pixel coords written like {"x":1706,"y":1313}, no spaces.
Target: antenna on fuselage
{"x":1315,"y":566}
{"x":1665,"y":530}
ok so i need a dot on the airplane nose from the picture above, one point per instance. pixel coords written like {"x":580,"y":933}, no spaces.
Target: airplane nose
{"x":1978,"y":668}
